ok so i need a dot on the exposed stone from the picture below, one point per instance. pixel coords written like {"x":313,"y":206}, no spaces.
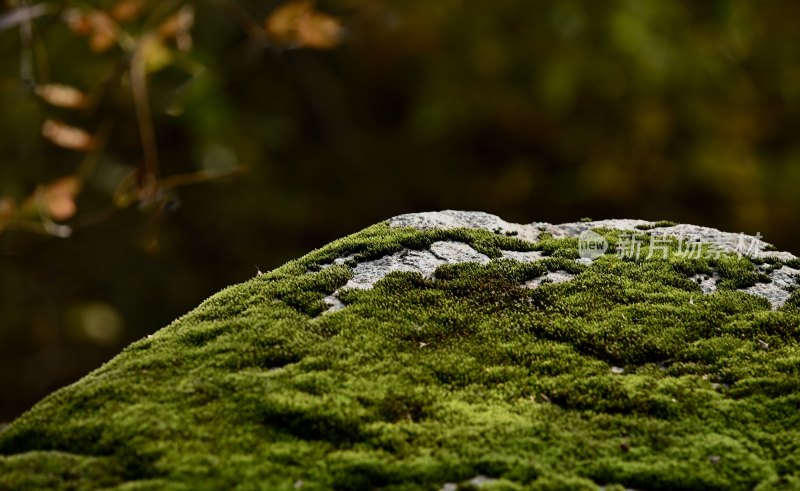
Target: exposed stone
{"x":777,"y":291}
{"x":479,"y":481}
{"x":784,"y":280}
{"x":366,"y":274}
{"x":707,"y":283}
{"x":456,"y":252}
{"x":748,"y":245}
{"x":449,"y":219}
{"x":333,"y":303}
{"x":550,"y":277}
{"x":523,"y":256}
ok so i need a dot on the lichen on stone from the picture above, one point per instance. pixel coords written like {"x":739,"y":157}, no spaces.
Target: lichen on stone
{"x":463,"y":352}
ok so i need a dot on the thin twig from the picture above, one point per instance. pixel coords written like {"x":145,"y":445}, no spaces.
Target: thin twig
{"x":26,"y":39}
{"x":138,"y":70}
{"x":22,"y":15}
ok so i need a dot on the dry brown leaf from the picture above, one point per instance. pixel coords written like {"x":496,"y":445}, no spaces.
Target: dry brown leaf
{"x":62,"y":96}
{"x":178,"y":26}
{"x":100,"y":27}
{"x":7,"y":208}
{"x":127,"y":10}
{"x":282,"y":23}
{"x":104,"y":31}
{"x":298,"y":24}
{"x":66,"y":136}
{"x":320,"y":31}
{"x":77,"y":21}
{"x":59,"y":197}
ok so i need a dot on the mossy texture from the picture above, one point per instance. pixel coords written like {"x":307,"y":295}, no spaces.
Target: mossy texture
{"x":627,"y":376}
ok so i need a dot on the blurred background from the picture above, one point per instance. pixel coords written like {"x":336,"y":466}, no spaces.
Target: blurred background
{"x":154,"y":152}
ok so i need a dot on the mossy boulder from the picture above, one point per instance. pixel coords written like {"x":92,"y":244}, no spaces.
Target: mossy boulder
{"x":453,"y":350}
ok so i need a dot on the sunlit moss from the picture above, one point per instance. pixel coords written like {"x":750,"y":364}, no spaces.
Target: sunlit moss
{"x":627,"y":376}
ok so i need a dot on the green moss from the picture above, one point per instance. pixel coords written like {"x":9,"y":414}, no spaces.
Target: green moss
{"x":737,"y":272}
{"x":419,"y":382}
{"x":658,"y":224}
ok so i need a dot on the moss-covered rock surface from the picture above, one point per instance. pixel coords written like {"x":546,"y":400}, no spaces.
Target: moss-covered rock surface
{"x":526,"y":367}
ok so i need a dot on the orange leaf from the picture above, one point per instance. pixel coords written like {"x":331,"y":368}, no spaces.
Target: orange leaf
{"x":298,"y":24}
{"x":77,"y":21}
{"x":62,"y":96}
{"x":127,"y":10}
{"x":97,"y":24}
{"x":7,"y":208}
{"x":67,"y":136}
{"x":59,"y":197}
{"x":282,"y":23}
{"x":320,"y":31}
{"x":104,"y":31}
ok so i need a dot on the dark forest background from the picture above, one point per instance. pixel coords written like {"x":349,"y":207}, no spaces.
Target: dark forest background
{"x":153,"y":152}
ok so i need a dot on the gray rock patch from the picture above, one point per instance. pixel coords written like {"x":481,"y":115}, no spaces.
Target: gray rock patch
{"x":746,"y":245}
{"x":707,"y":283}
{"x":367,"y":273}
{"x":523,"y":256}
{"x":731,"y":242}
{"x":574,"y":229}
{"x":780,"y":289}
{"x":425,"y":262}
{"x":785,"y":277}
{"x":777,"y":292}
{"x":463,"y":219}
{"x":333,"y":302}
{"x":457,"y":252}
{"x":479,"y":481}
{"x":776,"y":296}
{"x":559,"y":276}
